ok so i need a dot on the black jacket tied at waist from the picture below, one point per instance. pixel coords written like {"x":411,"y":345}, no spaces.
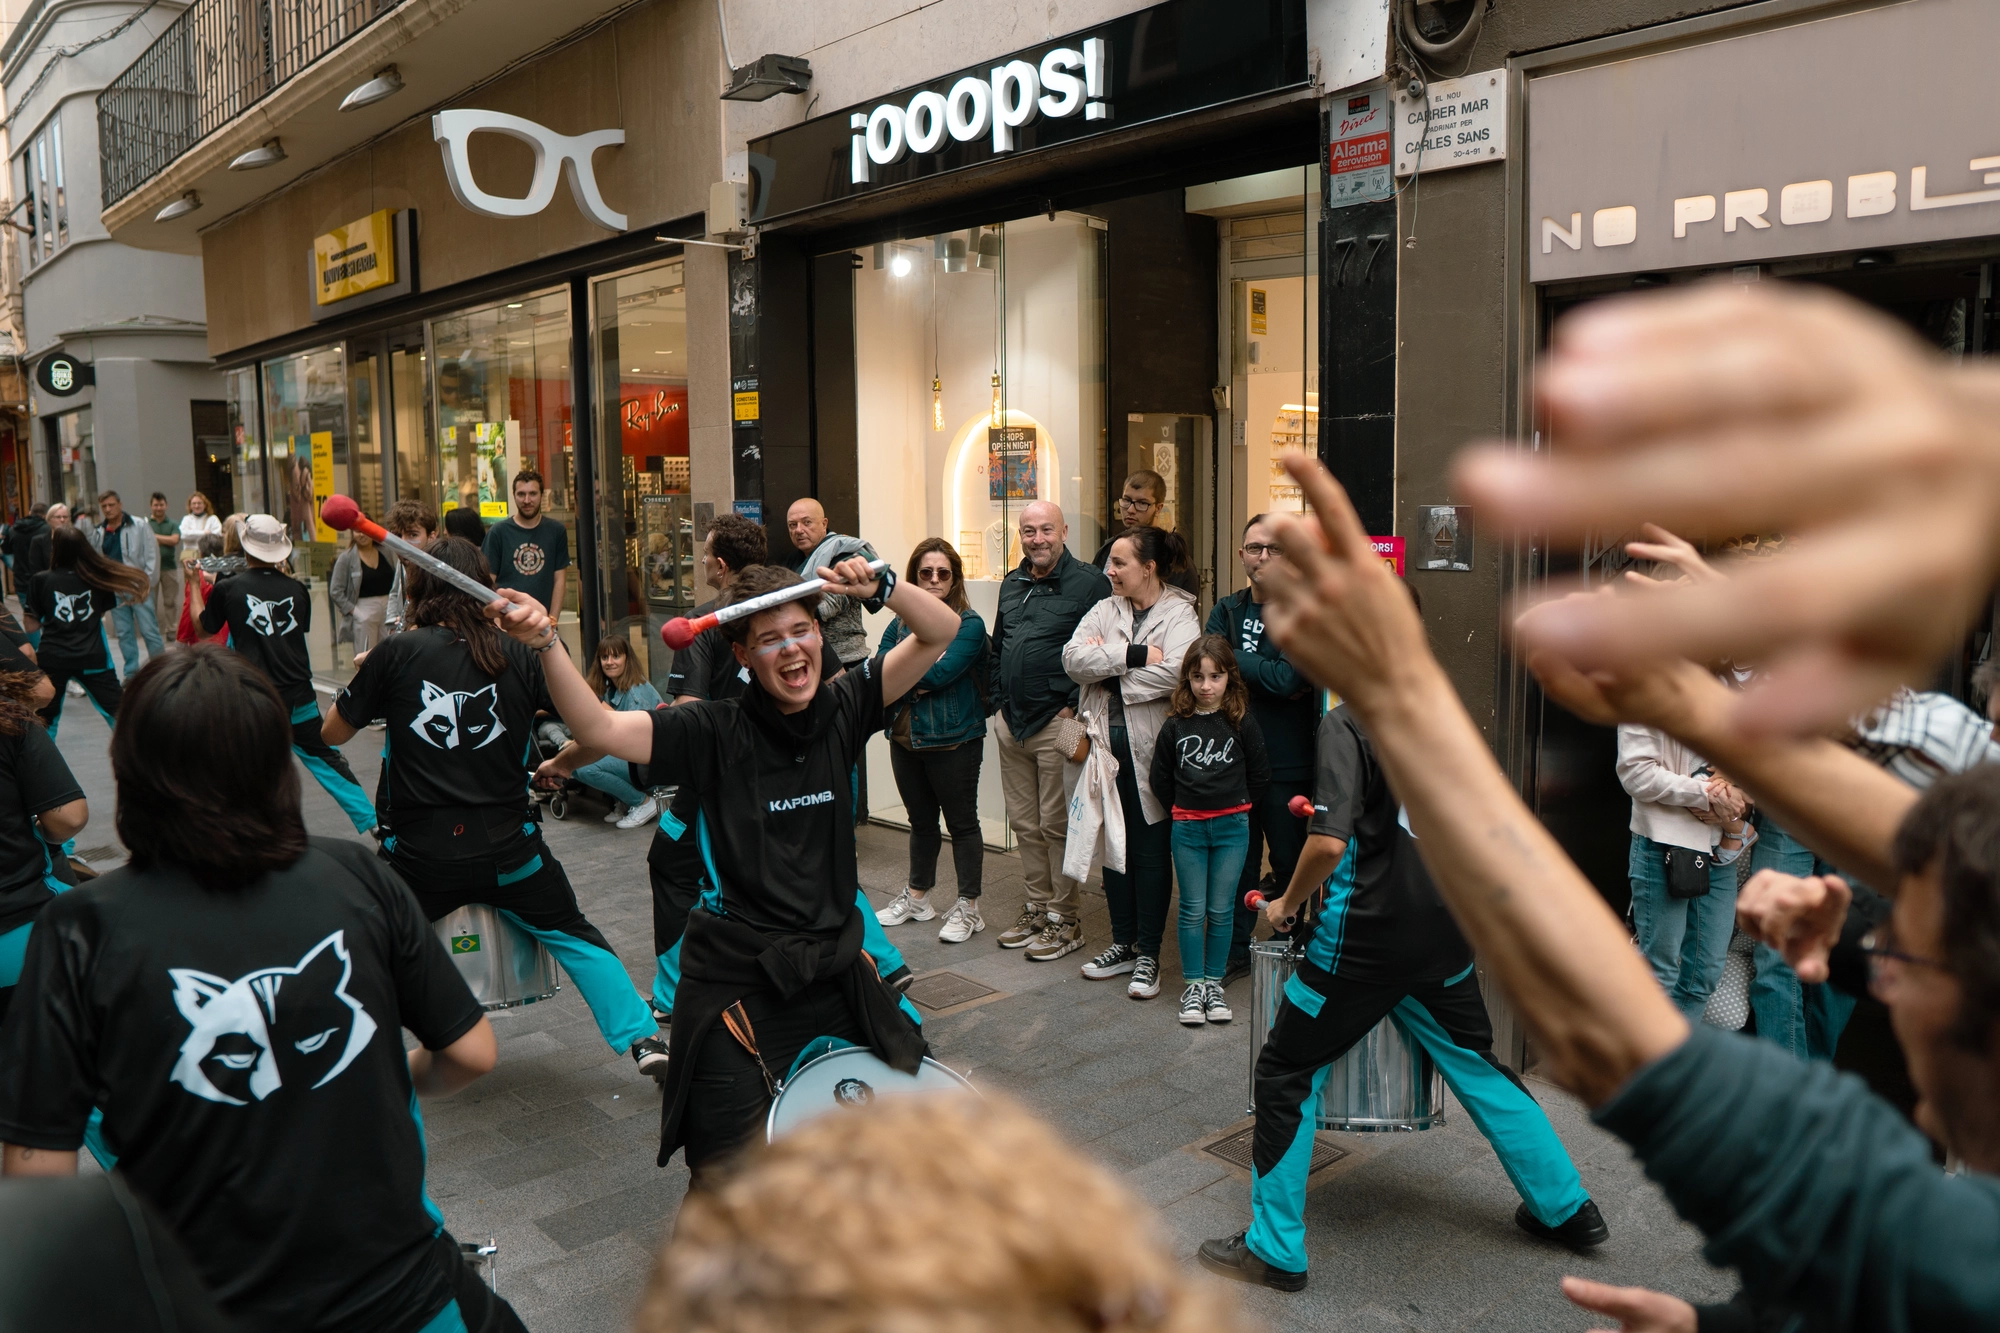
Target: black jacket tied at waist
{"x":723,"y":960}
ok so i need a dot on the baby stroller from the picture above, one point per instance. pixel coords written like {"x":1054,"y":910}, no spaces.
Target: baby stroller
{"x":550,"y":737}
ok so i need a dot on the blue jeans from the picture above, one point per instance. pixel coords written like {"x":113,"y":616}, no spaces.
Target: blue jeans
{"x":1685,"y":940}
{"x":612,"y":776}
{"x":1777,"y":997}
{"x":1208,"y":861}
{"x":123,"y":619}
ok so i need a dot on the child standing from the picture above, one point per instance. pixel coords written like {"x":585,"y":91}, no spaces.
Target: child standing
{"x":1209,"y":768}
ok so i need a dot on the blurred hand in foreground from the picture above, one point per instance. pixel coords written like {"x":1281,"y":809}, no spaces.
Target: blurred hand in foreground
{"x":1798,"y":916}
{"x":1636,"y":1309}
{"x":1722,"y":410}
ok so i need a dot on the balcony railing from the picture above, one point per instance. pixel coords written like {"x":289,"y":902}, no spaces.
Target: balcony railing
{"x":218,"y":59}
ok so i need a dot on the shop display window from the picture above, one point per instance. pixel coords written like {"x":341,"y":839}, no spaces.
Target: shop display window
{"x":77,"y":455}
{"x":246,"y":465}
{"x":305,"y":421}
{"x":980,"y":384}
{"x":501,"y":388}
{"x":646,"y":549}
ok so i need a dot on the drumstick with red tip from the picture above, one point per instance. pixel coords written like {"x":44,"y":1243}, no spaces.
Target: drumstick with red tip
{"x":340,"y":513}
{"x":1301,"y":806}
{"x":679,"y":632}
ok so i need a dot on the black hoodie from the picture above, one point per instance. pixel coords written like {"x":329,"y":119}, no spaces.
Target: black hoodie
{"x":21,"y":545}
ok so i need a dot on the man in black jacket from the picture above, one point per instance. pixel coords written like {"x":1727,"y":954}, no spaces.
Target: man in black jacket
{"x":28,"y":543}
{"x":1041,"y":602}
{"x":1287,"y":707}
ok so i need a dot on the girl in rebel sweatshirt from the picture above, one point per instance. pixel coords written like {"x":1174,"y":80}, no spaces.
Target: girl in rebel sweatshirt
{"x":1210,"y":768}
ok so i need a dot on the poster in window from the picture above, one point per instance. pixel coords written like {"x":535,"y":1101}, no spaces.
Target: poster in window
{"x":1010,"y":463}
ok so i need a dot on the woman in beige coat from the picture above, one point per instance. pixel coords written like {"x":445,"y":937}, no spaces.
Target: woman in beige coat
{"x":1126,"y":653}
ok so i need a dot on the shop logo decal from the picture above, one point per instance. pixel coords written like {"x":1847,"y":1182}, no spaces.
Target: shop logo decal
{"x":555,"y":154}
{"x":1010,"y":96}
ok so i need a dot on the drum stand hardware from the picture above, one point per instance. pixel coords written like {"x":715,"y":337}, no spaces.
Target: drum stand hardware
{"x":485,"y":1258}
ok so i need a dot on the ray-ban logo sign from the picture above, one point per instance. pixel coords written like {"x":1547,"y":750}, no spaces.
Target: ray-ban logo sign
{"x":1066,"y":83}
{"x":555,"y":156}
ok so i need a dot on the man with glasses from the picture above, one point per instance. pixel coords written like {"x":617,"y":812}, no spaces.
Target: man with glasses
{"x":1140,"y":506}
{"x":1287,"y":708}
{"x":1041,"y":601}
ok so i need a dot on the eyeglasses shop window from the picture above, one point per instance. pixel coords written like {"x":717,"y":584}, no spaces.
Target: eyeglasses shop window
{"x":502,"y":389}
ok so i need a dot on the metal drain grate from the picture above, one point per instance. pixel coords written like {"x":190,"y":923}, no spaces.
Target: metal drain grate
{"x":1235,"y":1149}
{"x":942,"y":990}
{"x":109,"y":852}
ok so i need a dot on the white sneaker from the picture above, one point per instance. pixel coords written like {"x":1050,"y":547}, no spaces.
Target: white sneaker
{"x":906,"y":906}
{"x":75,"y":690}
{"x":641,"y":814}
{"x":1145,"y":983}
{"x":1194,"y":1001}
{"x":615,"y":813}
{"x":962,"y":922}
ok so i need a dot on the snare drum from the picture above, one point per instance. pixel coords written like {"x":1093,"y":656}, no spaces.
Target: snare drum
{"x":1385,"y":1082}
{"x":850,"y":1076}
{"x":503,"y":964}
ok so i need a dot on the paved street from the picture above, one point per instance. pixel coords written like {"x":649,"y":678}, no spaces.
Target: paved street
{"x":552,"y":1154}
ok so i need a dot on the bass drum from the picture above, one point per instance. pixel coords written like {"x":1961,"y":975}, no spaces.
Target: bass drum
{"x":1385,"y":1083}
{"x":851,"y":1076}
{"x":503,"y":964}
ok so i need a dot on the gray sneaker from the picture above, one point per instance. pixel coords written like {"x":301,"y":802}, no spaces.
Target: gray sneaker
{"x":1057,"y":937}
{"x":1023,"y":932}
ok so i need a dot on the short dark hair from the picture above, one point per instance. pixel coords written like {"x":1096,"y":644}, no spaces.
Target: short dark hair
{"x":1166,"y":551}
{"x":227,"y":809}
{"x":1254,"y":520}
{"x":432,"y":601}
{"x":161,"y":496}
{"x":754,"y":581}
{"x":39,"y":508}
{"x":527,"y":474}
{"x":737,"y":542}
{"x":102,"y":496}
{"x":1152,"y":481}
{"x":1954,"y":828}
{"x":406,"y":514}
{"x":465,"y":522}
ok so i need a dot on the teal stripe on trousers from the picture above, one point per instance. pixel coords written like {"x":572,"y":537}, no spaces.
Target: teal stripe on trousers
{"x":622,"y":1016}
{"x":1278,"y":1201}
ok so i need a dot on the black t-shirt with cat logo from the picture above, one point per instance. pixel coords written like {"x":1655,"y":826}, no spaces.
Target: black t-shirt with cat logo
{"x":456,"y":738}
{"x":245,"y":1049}
{"x":71,"y":613}
{"x":33,"y":780}
{"x":268,"y":613}
{"x":776,"y":799}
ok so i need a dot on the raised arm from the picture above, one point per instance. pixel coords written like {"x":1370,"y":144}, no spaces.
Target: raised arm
{"x":931,"y":623}
{"x":627,"y":735}
{"x":1541,"y":929}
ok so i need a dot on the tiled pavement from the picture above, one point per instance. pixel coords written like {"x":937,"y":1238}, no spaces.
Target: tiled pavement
{"x":552,"y":1154}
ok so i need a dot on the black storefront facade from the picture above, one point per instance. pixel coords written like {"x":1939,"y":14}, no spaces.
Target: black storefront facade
{"x":1019,"y":282}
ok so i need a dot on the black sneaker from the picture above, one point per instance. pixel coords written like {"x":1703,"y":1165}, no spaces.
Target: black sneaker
{"x":650,"y":1053}
{"x":1232,"y":1258}
{"x":1117,"y":959}
{"x":1584,"y":1228}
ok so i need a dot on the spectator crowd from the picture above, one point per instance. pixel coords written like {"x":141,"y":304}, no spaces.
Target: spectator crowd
{"x":1813,"y":872}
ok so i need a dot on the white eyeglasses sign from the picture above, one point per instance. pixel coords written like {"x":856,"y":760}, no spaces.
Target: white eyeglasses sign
{"x":554,"y":153}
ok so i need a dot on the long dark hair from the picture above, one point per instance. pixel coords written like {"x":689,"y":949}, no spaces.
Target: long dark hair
{"x":1212,"y":648}
{"x":17,"y":701}
{"x":955,"y":599}
{"x":600,"y":684}
{"x":227,"y":808}
{"x":1166,"y":551}
{"x":70,"y":549}
{"x":432,"y":601}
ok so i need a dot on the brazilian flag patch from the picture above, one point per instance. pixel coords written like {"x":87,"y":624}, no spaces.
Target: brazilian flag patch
{"x":465,"y":944}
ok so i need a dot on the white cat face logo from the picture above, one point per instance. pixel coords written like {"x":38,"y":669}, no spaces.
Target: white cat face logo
{"x":271,"y":618}
{"x":455,"y":719}
{"x":72,"y":608}
{"x":251,"y":1035}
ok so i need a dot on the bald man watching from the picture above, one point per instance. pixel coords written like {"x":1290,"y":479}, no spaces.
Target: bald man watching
{"x":813,"y":547}
{"x":1041,"y":601}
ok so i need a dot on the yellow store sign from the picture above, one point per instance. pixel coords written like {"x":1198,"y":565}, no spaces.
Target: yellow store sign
{"x":356,"y":258}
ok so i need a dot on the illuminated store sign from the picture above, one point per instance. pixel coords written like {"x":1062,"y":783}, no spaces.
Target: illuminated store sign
{"x":1169,"y":60}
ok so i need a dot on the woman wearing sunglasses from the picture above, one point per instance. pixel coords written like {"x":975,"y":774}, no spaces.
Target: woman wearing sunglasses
{"x":937,"y":733}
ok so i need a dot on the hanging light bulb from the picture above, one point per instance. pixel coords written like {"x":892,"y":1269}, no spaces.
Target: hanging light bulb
{"x":996,"y":398}
{"x":937,"y":403}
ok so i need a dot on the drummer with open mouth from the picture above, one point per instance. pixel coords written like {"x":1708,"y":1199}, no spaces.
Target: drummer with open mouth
{"x":772,"y":957}
{"x":1385,"y":945}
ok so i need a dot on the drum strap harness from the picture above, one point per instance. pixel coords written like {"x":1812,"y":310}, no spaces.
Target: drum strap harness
{"x":737,"y":1020}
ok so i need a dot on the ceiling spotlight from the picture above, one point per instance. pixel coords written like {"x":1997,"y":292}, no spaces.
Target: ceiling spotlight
{"x":900,"y":265}
{"x":179,"y":208}
{"x":267,"y":154}
{"x":386,"y":83}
